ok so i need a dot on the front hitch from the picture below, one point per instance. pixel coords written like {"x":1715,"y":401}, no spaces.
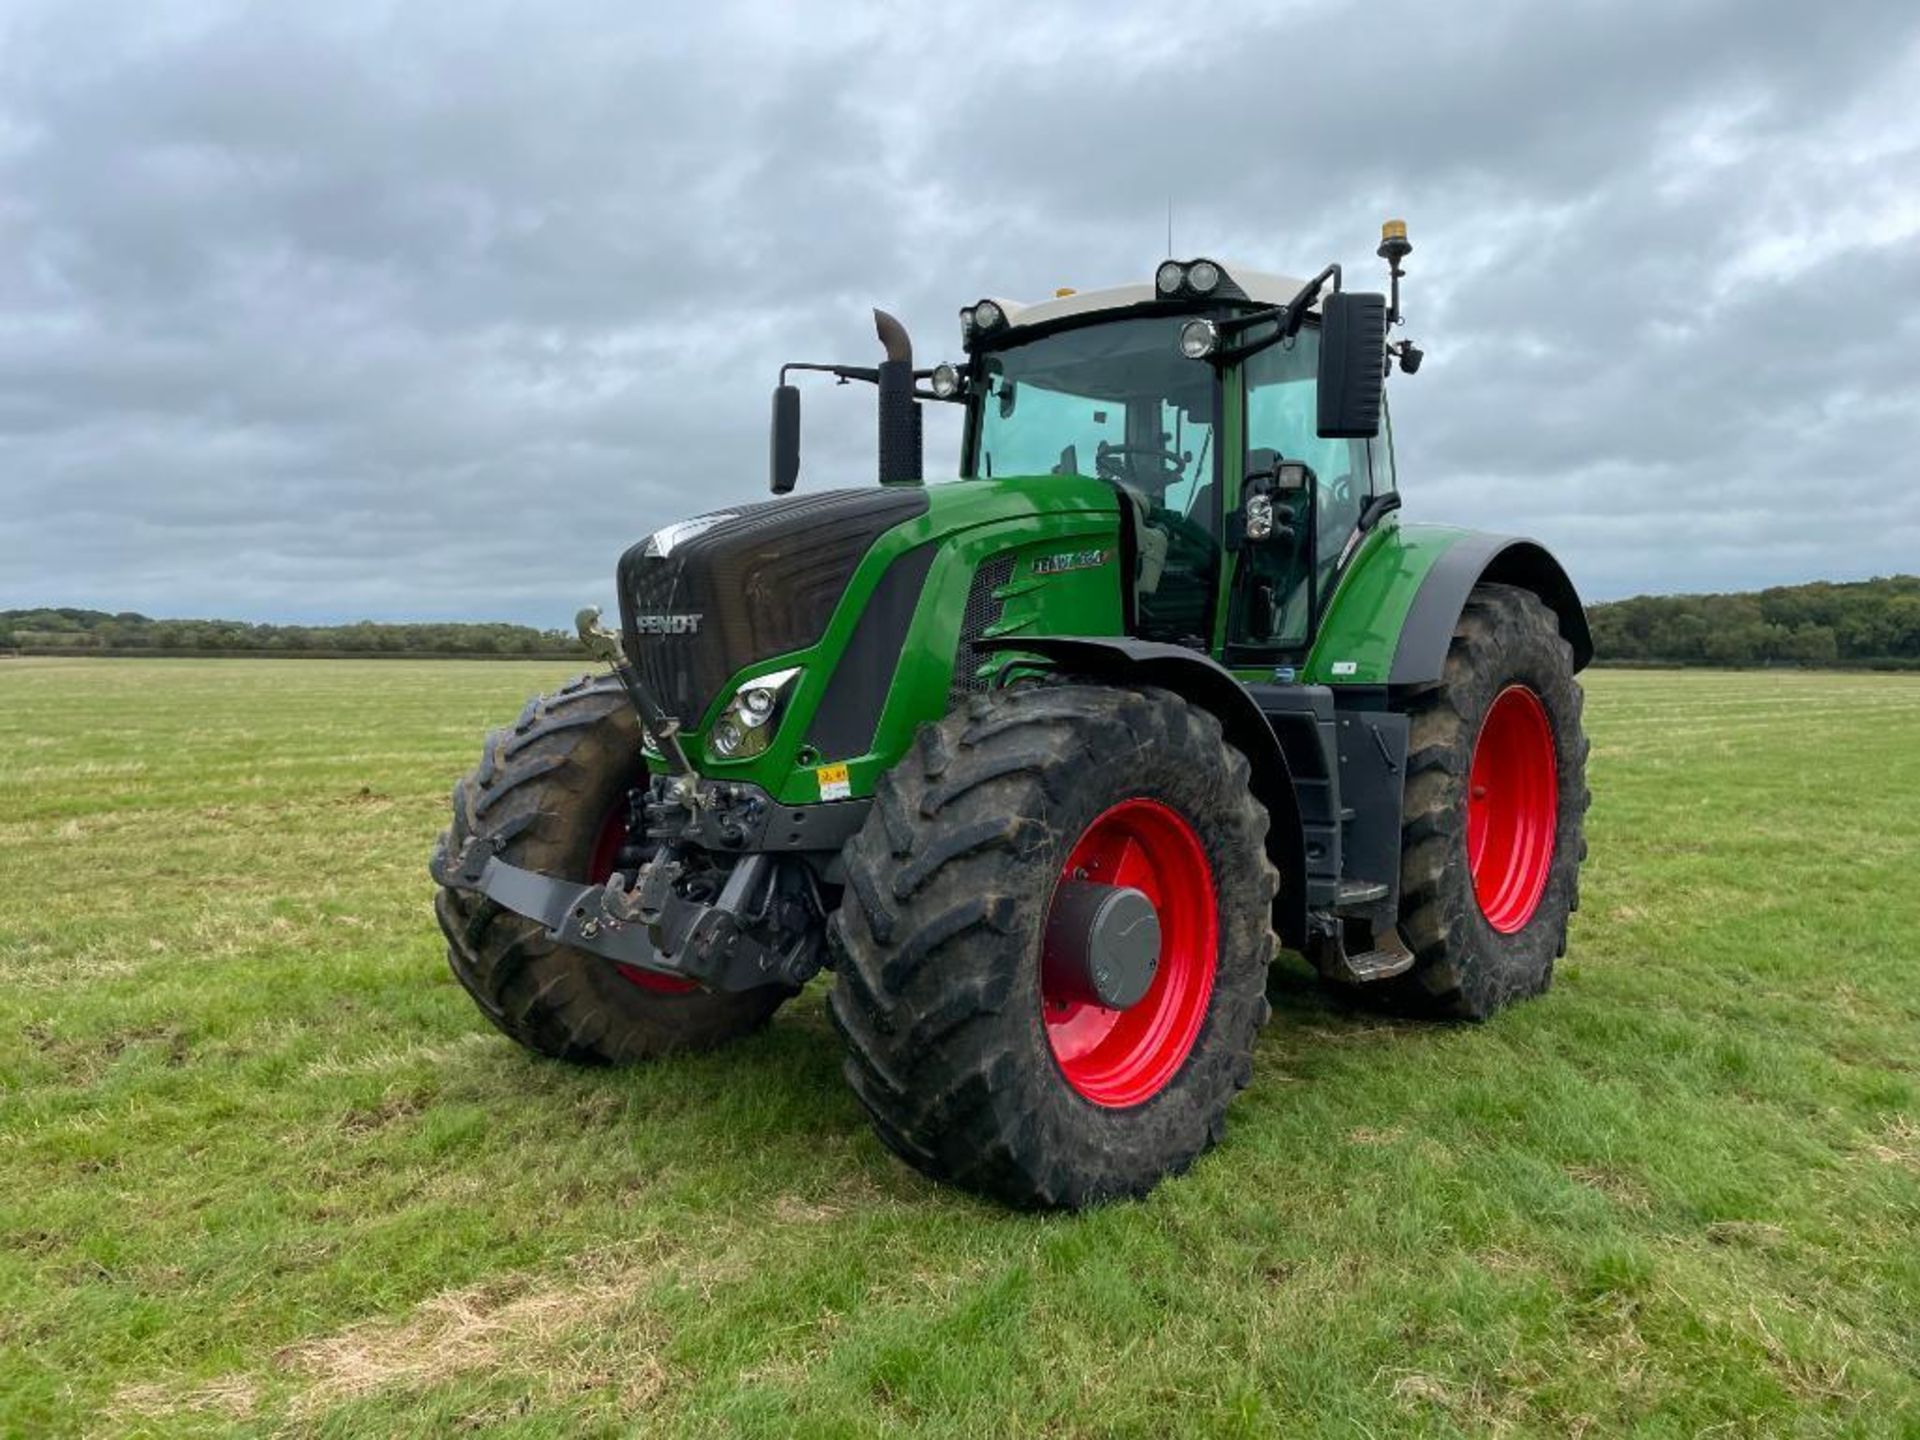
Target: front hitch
{"x":647,"y":923}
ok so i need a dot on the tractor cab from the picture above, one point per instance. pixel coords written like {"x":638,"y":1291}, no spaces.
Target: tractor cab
{"x":1203,"y":410}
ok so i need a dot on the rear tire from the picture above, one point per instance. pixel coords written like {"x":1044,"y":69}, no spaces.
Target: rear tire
{"x":970,"y":1066}
{"x":545,"y":790}
{"x":1496,"y":799}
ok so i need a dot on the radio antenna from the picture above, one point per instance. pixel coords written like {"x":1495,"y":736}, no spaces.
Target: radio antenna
{"x":1169,"y":226}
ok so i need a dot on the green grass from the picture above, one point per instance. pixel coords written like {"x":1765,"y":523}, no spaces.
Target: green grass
{"x":263,"y":1168}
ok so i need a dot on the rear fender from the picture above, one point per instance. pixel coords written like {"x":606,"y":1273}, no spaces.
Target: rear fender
{"x":1442,"y":596}
{"x":1202,"y":682}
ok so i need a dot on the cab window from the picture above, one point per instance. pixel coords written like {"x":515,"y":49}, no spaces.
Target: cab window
{"x":1117,"y":401}
{"x":1288,"y":580}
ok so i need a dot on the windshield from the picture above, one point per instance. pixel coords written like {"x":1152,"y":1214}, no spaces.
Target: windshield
{"x":1117,"y":401}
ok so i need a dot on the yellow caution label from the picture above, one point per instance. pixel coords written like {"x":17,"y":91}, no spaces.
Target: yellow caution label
{"x":833,"y":782}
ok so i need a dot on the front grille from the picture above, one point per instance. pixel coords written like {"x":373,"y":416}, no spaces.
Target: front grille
{"x":983,"y":609}
{"x":702,"y":599}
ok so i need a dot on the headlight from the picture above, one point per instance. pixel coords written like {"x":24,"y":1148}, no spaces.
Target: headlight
{"x":945,"y":381}
{"x":987,"y":315}
{"x":1170,"y":277}
{"x":745,"y":728}
{"x":1202,"y":276}
{"x":727,"y":738}
{"x":1199,"y":339}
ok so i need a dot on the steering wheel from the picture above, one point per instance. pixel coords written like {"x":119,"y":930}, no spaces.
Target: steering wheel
{"x":1108,"y":461}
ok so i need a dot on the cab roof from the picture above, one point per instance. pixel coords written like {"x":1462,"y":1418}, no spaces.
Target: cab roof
{"x":1238,"y":282}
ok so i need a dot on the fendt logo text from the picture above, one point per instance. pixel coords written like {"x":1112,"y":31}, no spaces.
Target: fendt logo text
{"x":668,"y":624}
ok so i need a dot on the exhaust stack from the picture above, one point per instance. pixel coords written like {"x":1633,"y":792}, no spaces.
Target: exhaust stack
{"x":900,"y":444}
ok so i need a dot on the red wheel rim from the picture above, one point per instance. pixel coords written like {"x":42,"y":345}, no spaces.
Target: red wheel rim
{"x":1513,"y":808}
{"x":606,"y":850}
{"x":1118,"y":1058}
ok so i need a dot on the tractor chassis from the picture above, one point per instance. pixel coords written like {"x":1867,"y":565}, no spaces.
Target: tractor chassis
{"x":1345,"y":751}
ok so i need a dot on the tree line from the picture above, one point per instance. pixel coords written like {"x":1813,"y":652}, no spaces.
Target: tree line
{"x":66,"y":630}
{"x":1864,"y":623}
{"x":1869,"y":623}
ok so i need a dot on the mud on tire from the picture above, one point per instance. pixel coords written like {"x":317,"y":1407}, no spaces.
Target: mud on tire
{"x":938,"y":939}
{"x":542,"y":790}
{"x":1464,"y":966}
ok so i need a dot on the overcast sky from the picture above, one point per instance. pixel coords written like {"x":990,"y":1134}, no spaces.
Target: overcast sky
{"x":426,"y":311}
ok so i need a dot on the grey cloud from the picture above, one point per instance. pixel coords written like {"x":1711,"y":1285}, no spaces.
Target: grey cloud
{"x":398,"y":311}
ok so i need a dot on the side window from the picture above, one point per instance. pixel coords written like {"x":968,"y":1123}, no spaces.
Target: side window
{"x":1282,"y":386}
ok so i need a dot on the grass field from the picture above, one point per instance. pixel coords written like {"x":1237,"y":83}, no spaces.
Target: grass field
{"x":263,"y":1167}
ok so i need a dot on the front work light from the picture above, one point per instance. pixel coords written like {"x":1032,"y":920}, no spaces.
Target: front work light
{"x":988,"y":316}
{"x":1259,"y":517}
{"x":1170,"y":277}
{"x":745,"y":728}
{"x":945,"y":380}
{"x":1199,"y":339}
{"x":1202,"y":276}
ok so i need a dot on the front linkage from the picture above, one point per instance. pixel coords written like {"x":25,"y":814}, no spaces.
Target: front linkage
{"x":764,"y":926}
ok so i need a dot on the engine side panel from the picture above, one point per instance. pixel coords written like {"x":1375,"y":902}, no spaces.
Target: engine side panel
{"x":1010,"y":557}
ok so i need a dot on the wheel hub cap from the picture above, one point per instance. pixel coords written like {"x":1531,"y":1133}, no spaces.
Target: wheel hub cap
{"x":1102,"y":945}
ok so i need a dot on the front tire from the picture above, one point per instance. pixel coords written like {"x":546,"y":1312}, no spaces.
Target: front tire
{"x":973,"y":1064}
{"x":1494,"y":818}
{"x":552,"y":789}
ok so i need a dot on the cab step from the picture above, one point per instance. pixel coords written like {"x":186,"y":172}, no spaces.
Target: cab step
{"x":1356,"y":894}
{"x":1374,"y":965}
{"x":1385,"y":957}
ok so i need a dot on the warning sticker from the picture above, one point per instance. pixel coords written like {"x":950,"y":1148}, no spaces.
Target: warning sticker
{"x":833,"y":782}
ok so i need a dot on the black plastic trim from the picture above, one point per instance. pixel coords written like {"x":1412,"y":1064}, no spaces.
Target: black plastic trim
{"x":843,"y":725}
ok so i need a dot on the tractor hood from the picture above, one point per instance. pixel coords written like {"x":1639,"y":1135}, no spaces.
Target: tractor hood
{"x":701,"y":599}
{"x":869,"y":594}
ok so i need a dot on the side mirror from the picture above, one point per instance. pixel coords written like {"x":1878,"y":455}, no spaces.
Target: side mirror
{"x":783,"y":441}
{"x":1353,"y":365}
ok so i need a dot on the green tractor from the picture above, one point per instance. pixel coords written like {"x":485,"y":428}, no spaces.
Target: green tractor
{"x":1045,"y":763}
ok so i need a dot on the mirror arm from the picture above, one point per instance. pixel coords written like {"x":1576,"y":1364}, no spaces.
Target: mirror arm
{"x":1377,"y":508}
{"x":1286,"y":320}
{"x":843,"y":373}
{"x":1310,"y":292}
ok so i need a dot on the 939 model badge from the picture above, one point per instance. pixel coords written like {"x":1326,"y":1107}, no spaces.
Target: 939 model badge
{"x":1068,"y":560}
